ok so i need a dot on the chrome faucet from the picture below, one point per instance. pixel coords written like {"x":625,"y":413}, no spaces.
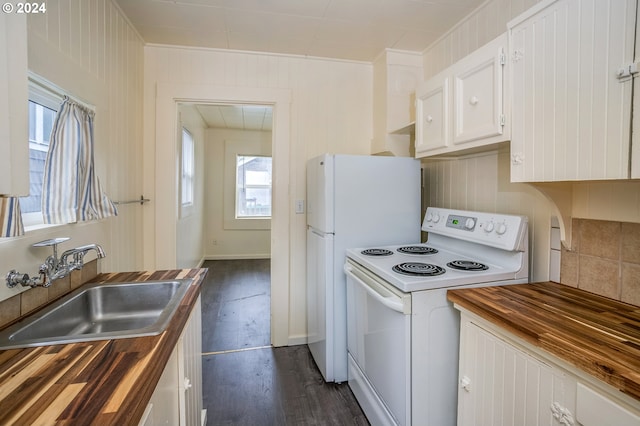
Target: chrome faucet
{"x":53,"y":267}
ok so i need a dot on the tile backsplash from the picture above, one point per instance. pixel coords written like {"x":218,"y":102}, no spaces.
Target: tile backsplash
{"x":604,"y":259}
{"x":32,"y":299}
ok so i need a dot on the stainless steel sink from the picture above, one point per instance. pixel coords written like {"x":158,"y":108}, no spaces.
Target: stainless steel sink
{"x":99,"y":312}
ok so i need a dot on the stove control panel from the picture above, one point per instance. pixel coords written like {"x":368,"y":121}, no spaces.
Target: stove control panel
{"x":465,"y":223}
{"x":492,"y":229}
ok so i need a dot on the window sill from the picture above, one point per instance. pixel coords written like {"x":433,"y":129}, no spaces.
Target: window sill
{"x":39,"y":226}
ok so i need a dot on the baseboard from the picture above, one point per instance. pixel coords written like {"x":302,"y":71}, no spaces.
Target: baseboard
{"x":237,"y":256}
{"x":202,"y":259}
{"x":297,"y":340}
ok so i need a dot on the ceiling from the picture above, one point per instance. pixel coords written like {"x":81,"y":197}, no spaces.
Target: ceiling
{"x":343,"y":29}
{"x":239,"y":117}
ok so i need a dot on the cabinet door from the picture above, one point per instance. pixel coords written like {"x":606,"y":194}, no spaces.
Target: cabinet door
{"x":190,"y":369}
{"x":570,"y":111}
{"x":478,"y":93}
{"x":432,"y":115}
{"x":14,"y":146}
{"x":594,"y":408}
{"x":501,"y":385}
{"x":635,"y":134}
{"x":163,"y":405}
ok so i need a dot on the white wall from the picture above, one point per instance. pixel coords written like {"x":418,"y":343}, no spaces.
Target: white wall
{"x":89,"y":49}
{"x":190,"y":225}
{"x":472,"y":183}
{"x":231,"y":243}
{"x":330,"y":111}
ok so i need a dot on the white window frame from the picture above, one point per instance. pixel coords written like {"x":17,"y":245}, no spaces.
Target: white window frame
{"x":45,"y":97}
{"x":232,"y":149}
{"x":247,"y":186}
{"x":187,"y":170}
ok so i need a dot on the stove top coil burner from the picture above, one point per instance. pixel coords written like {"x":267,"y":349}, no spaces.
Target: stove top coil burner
{"x":418,"y":269}
{"x":377,"y":252}
{"x":467,"y":265}
{"x":421,"y":250}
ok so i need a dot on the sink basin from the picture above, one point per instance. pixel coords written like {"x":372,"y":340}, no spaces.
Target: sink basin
{"x":98,"y":312}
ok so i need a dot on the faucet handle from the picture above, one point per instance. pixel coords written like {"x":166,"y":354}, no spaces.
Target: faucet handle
{"x":14,"y":278}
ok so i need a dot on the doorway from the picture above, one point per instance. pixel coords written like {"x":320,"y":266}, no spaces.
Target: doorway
{"x":225,"y":206}
{"x":161,"y":234}
{"x":233,"y":181}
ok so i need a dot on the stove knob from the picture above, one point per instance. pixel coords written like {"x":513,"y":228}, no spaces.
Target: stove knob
{"x":489,"y":226}
{"x":502,"y":228}
{"x":436,"y":217}
{"x":429,"y":217}
{"x":469,"y":223}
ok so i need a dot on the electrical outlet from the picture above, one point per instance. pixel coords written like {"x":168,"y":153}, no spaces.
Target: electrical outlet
{"x":214,"y":242}
{"x":299,"y":206}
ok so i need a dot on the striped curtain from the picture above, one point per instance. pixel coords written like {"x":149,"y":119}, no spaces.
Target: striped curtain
{"x":10,"y":217}
{"x":71,"y":191}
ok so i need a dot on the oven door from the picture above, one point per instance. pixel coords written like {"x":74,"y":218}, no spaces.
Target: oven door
{"x":379,"y":346}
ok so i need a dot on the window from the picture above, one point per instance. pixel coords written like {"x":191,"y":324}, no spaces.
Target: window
{"x":188,"y":167}
{"x":43,"y":107}
{"x":253,"y":187}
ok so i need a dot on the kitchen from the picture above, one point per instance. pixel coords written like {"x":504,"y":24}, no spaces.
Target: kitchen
{"x":132,"y":86}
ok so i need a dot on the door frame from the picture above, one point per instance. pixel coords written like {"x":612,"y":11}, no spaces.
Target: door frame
{"x":160,"y":222}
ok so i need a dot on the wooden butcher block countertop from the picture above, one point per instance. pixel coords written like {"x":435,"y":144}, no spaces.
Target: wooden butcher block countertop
{"x":598,"y":335}
{"x":106,"y":382}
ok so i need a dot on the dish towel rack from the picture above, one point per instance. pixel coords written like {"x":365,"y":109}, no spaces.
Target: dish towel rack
{"x":141,"y":200}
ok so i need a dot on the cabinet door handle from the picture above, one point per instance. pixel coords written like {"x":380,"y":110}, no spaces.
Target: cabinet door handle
{"x":187,"y":384}
{"x":474,"y":100}
{"x":429,"y":119}
{"x":465,"y":383}
{"x":517,"y":159}
{"x":562,"y":414}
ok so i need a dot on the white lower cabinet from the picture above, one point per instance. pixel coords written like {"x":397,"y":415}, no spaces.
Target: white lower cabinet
{"x":502,"y":385}
{"x":595,"y":409}
{"x":177,"y":399}
{"x":163,"y":407}
{"x":504,"y":381}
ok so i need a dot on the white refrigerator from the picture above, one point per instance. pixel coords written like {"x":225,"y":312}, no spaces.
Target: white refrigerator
{"x":352,"y":201}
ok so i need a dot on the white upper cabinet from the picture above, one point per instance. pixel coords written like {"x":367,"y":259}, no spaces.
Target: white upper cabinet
{"x":463,"y":108}
{"x":478,"y":94}
{"x":14,"y":147}
{"x":635,"y":134}
{"x":432,"y":112}
{"x":570,"y":94}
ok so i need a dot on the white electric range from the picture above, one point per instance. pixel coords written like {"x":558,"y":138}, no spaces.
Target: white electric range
{"x":403,"y":334}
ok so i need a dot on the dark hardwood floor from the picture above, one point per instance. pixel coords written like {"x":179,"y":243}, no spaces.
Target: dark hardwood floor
{"x":245,"y":380}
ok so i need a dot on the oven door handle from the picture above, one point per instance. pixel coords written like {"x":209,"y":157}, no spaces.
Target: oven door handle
{"x":377,"y":291}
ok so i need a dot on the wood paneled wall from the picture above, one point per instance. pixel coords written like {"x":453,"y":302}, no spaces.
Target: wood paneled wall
{"x":482,"y":183}
{"x":483,"y":25}
{"x":89,"y":49}
{"x":330,"y":111}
